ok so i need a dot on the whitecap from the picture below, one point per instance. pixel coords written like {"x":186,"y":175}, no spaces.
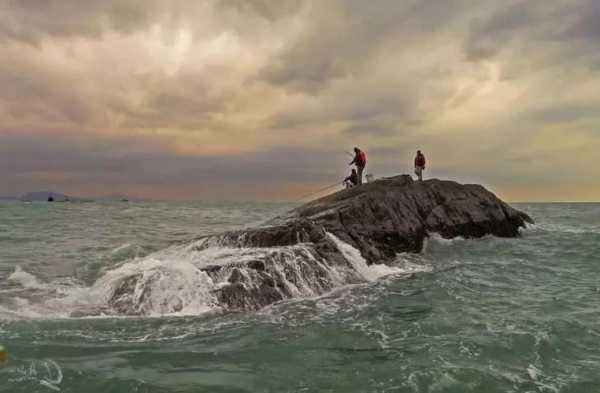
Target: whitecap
{"x":354,"y":257}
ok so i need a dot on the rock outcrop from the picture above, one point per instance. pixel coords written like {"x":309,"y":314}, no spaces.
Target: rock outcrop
{"x":331,"y":241}
{"x":396,"y":214}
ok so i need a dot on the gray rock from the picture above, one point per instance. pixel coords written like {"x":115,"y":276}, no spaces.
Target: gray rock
{"x":380,"y":219}
{"x":390,"y":216}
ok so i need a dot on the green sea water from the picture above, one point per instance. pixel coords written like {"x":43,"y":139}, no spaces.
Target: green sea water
{"x":486,"y":315}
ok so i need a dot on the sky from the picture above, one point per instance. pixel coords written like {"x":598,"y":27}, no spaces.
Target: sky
{"x":263,"y":100}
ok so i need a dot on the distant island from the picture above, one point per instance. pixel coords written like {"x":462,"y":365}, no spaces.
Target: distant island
{"x":42,"y":196}
{"x":52,"y":196}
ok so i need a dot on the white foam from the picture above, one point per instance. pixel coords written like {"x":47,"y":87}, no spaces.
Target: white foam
{"x":173,"y":281}
{"x":436,"y":237}
{"x":354,"y":257}
{"x":120,"y":248}
{"x":533,"y":372}
{"x":165,"y":286}
{"x":168,"y":282}
{"x":26,"y":280}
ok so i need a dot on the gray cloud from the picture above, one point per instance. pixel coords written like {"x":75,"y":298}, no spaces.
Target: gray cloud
{"x":169,"y":95}
{"x":532,"y":26}
{"x":488,"y":35}
{"x":345,"y":36}
{"x":271,"y":10}
{"x":584,"y":23}
{"x":33,"y":20}
{"x":566,"y":113}
{"x":31,"y":92}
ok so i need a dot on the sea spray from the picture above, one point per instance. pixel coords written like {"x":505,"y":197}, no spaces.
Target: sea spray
{"x":198,"y":277}
{"x":352,"y":255}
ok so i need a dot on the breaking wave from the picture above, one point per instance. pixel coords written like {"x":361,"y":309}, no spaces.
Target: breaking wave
{"x":186,"y":280}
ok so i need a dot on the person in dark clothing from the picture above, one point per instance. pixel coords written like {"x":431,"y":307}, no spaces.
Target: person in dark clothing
{"x":419,"y":165}
{"x":360,"y":159}
{"x":351,"y":180}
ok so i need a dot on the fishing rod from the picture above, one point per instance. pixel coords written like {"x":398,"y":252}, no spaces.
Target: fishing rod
{"x":326,"y":188}
{"x":319,"y":191}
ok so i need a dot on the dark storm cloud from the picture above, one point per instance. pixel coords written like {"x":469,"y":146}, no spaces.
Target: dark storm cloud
{"x":33,"y":20}
{"x":487,"y":37}
{"x":533,"y":25}
{"x":32,"y":92}
{"x":584,"y":25}
{"x":345,"y":36}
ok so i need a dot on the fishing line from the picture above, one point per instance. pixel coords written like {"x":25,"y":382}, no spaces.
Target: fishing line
{"x":318,"y":191}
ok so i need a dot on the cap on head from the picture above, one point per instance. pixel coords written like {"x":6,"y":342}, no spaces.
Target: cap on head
{"x":356,"y":149}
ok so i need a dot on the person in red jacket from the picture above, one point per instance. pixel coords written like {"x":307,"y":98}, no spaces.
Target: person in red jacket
{"x":419,"y":165}
{"x":360,"y":159}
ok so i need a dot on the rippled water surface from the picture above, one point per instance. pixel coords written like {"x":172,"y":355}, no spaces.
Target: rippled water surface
{"x":487,"y":315}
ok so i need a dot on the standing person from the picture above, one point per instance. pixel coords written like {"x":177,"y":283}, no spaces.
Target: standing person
{"x":360,"y":159}
{"x":419,"y":165}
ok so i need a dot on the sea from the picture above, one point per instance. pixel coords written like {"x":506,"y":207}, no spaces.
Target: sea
{"x":464,"y":315}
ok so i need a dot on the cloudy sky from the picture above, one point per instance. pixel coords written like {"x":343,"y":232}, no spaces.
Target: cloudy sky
{"x":260,"y":99}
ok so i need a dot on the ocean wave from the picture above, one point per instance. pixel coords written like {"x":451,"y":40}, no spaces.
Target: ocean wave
{"x":437,"y":238}
{"x":368,"y":272}
{"x":563,"y":228}
{"x":25,"y":279}
{"x":184,"y":280}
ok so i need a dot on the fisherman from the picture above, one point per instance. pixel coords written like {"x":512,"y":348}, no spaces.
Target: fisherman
{"x":419,"y":165}
{"x":360,"y":159}
{"x":351,"y":180}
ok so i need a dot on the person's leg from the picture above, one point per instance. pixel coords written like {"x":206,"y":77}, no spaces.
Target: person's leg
{"x":420,"y":174}
{"x":360,"y":174}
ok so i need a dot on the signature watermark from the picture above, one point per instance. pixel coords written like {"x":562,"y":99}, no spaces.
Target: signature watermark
{"x":46,"y":372}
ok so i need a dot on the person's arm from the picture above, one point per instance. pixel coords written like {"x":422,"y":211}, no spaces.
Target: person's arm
{"x":353,"y":161}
